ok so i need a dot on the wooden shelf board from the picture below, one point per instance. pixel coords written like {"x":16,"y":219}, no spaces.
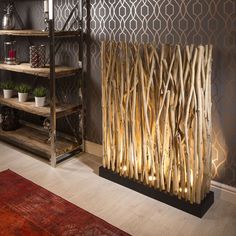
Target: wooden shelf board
{"x":38,"y":33}
{"x":35,"y":141}
{"x":60,"y":71}
{"x":29,"y":106}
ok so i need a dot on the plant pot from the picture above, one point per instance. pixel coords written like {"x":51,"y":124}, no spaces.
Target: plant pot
{"x":22,"y":97}
{"x":40,"y":101}
{"x":7,"y":93}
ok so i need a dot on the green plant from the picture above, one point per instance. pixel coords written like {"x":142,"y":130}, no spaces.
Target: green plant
{"x":40,"y":92}
{"x":8,"y":85}
{"x":23,"y":88}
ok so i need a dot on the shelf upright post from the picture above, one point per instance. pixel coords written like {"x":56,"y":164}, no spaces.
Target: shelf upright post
{"x":81,"y":59}
{"x":52,"y":84}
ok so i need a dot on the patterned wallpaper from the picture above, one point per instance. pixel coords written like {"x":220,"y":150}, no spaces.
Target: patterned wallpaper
{"x":163,"y":21}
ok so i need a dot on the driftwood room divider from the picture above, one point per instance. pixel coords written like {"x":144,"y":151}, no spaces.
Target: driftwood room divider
{"x":157,"y":126}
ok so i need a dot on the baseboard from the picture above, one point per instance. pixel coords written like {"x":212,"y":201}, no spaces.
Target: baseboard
{"x":222,"y":191}
{"x":93,"y":148}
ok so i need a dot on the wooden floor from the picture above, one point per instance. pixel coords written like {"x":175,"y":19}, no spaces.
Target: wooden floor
{"x":77,"y":181}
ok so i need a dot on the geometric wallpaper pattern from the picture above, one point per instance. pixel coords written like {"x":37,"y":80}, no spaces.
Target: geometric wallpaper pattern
{"x":163,"y":21}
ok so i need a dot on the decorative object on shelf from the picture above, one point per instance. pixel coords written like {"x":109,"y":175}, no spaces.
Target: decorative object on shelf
{"x":157,"y":126}
{"x":51,"y":10}
{"x":8,"y":21}
{"x":8,"y":88}
{"x":10,"y":53}
{"x":38,"y":56}
{"x":40,"y":96}
{"x":10,"y":119}
{"x":23,"y":91}
{"x":46,"y":14}
{"x":47,"y":126}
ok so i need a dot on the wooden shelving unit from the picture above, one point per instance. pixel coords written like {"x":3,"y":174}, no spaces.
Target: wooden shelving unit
{"x":60,"y":71}
{"x":29,"y":106}
{"x":48,"y":142}
{"x":38,"y":33}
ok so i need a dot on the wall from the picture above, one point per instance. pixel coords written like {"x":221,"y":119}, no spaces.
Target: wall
{"x":163,"y":21}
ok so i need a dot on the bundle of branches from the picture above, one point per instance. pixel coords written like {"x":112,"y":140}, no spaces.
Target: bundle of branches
{"x":157,"y":115}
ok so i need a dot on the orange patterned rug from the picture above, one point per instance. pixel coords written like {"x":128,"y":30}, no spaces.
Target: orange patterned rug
{"x":28,"y":209}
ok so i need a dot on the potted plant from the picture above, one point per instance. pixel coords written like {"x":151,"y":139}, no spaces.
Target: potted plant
{"x":23,"y":91}
{"x":40,"y":96}
{"x":8,"y":87}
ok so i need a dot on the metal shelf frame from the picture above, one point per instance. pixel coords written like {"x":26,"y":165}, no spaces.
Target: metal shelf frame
{"x":53,"y":49}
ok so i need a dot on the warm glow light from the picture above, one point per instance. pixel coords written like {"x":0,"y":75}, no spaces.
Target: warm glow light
{"x":151,"y":178}
{"x":185,"y":190}
{"x":191,"y":177}
{"x":124,"y":168}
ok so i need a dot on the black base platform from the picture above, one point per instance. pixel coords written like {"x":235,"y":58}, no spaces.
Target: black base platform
{"x":195,"y":209}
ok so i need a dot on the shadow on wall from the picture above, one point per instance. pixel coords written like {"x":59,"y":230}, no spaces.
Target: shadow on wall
{"x":224,"y":115}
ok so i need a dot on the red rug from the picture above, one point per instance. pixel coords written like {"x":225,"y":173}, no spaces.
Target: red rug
{"x":28,"y":209}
